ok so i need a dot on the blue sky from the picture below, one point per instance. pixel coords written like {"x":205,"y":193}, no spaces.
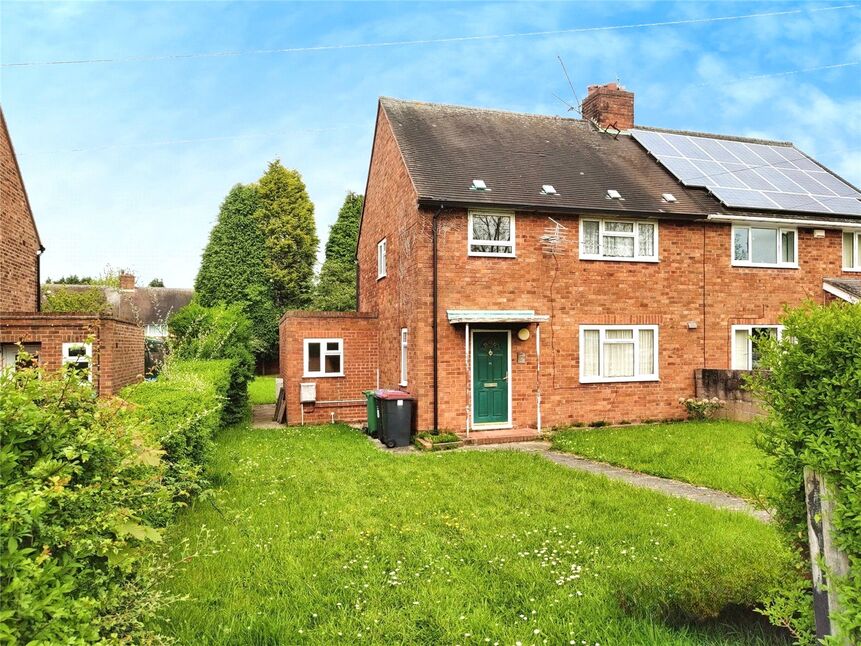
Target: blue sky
{"x":126,"y":163}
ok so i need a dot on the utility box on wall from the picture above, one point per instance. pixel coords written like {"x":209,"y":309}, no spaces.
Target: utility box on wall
{"x":308,"y":393}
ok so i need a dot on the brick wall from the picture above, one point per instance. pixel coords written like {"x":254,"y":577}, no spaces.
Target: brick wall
{"x":19,"y":241}
{"x":340,"y":397}
{"x":118,"y":346}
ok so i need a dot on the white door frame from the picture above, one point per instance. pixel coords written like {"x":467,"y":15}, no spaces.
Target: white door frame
{"x":488,"y":426}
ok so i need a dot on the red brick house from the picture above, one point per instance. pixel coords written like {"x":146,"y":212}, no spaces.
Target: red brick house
{"x":523,"y":271}
{"x":112,"y":348}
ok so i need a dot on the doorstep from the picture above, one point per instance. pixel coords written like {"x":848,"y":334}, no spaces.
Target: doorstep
{"x":506,"y":436}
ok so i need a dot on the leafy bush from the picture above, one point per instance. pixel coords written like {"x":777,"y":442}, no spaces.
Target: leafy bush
{"x":813,"y":394}
{"x":185,"y":408}
{"x":217,"y":332}
{"x":80,"y":495}
{"x":703,"y":408}
{"x":439,"y":438}
{"x":62,"y":299}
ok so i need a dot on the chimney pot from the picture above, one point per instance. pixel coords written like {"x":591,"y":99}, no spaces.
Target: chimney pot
{"x":127,"y":281}
{"x":609,"y":104}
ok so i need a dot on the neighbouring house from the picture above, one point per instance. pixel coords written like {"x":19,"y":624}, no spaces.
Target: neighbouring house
{"x":518,"y":271}
{"x":148,"y":307}
{"x":110,"y":348}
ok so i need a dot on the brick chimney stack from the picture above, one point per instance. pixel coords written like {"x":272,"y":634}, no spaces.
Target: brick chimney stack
{"x":609,"y":104}
{"x":127,"y":281}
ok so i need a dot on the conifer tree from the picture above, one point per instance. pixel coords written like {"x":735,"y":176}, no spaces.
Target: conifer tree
{"x":285,"y":215}
{"x":336,"y":288}
{"x":233,"y":268}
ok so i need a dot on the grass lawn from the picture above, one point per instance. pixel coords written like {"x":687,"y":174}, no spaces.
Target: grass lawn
{"x":262,"y":390}
{"x":315,"y":536}
{"x":718,"y":454}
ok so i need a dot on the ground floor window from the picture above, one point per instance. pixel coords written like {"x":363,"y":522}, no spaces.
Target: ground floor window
{"x":745,"y":339}
{"x":14,"y":356}
{"x":404,"y":346}
{"x":618,"y":353}
{"x":324,"y":358}
{"x":78,"y":358}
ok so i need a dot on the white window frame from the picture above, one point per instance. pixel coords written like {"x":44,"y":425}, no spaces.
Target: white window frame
{"x":602,"y":329}
{"x":749,"y":263}
{"x":856,"y":242}
{"x":749,"y":328}
{"x":405,"y":339}
{"x":472,"y":242}
{"x":88,"y":353}
{"x":323,"y":354}
{"x":635,"y":235}
{"x":382,"y":258}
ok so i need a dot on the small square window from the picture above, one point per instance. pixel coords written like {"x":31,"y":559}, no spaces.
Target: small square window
{"x":324,"y":358}
{"x":491,"y":234}
{"x":78,"y":358}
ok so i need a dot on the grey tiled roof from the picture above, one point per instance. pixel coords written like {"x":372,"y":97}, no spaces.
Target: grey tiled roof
{"x":445,"y":147}
{"x":851,"y":286}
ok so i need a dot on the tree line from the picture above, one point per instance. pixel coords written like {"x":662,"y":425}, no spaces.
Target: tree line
{"x":262,"y":251}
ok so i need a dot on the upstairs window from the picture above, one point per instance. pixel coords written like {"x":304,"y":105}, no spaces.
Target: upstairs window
{"x":618,"y":353}
{"x":77,"y":358}
{"x":745,"y":342}
{"x":618,"y":240}
{"x":491,"y":234}
{"x":381,"y":259}
{"x":324,"y":358}
{"x":764,"y":247}
{"x":852,"y":251}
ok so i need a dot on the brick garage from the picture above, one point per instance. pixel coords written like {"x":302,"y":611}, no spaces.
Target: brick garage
{"x":338,"y":398}
{"x":117,"y":346}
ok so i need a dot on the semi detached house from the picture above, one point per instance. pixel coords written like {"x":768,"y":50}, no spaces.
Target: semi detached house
{"x":518,"y":271}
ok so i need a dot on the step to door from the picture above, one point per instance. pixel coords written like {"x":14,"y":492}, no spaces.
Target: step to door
{"x":500,"y":437}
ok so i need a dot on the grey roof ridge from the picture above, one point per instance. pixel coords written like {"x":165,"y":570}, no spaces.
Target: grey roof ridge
{"x":469,"y":108}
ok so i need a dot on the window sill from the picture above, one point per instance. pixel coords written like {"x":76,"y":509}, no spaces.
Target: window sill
{"x":381,"y":277}
{"x":612,"y":259}
{"x":403,"y":384}
{"x":483,"y":254}
{"x":321,"y":376}
{"x":852,"y":270}
{"x":616,"y":380}
{"x":760,"y":265}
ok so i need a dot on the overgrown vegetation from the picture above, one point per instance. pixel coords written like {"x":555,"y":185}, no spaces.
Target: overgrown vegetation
{"x":319,"y":538}
{"x":218,"y":332}
{"x":336,"y":286}
{"x":719,"y":454}
{"x":90,"y":300}
{"x":703,"y":408}
{"x":812,"y":389}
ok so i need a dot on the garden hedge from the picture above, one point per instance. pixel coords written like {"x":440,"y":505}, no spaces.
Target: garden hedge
{"x":812,"y":390}
{"x":85,"y":485}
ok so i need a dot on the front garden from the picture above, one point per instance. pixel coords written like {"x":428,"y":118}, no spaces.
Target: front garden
{"x":720,"y":454}
{"x":313,"y":535}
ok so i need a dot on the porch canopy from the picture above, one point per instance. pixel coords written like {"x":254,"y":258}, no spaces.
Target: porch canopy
{"x":495,"y":316}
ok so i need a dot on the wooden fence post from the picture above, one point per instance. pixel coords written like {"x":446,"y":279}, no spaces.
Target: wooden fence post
{"x":825,"y":559}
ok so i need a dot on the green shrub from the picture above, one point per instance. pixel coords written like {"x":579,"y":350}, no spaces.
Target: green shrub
{"x":80,"y":495}
{"x":184,"y":407}
{"x":704,"y":408}
{"x":812,"y":389}
{"x":218,"y":332}
{"x":62,"y":299}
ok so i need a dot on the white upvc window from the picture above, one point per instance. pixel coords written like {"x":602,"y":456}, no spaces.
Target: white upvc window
{"x":324,"y":358}
{"x":745,"y":339}
{"x":381,"y":259}
{"x":764,"y":246}
{"x":625,"y":240}
{"x":852,"y":251}
{"x":78,"y":357}
{"x":404,"y":348}
{"x":610,"y":353}
{"x":491,"y":233}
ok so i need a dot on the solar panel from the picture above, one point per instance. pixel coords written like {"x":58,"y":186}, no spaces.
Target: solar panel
{"x":750,"y":175}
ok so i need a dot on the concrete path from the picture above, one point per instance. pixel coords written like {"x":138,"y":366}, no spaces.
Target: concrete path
{"x":262,"y":416}
{"x":704,"y":495}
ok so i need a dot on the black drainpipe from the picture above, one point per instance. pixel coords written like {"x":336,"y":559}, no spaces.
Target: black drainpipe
{"x":435,"y":325}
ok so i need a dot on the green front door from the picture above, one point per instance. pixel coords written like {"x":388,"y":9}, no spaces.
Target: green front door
{"x":490,"y":377}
